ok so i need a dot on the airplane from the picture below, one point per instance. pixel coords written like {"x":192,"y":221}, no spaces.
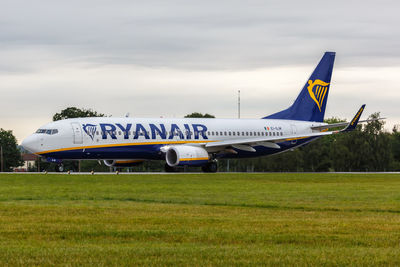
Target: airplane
{"x":127,"y":142}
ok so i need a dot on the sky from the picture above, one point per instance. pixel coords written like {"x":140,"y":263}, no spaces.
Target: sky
{"x":171,"y":58}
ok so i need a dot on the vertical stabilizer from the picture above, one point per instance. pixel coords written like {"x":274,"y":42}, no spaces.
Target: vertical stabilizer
{"x":311,"y":102}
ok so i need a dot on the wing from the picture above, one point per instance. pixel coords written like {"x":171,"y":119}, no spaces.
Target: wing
{"x":272,"y":141}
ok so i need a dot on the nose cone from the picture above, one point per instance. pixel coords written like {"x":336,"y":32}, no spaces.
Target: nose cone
{"x":31,"y":143}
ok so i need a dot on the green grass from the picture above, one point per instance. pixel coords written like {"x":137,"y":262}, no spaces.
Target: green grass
{"x":200,"y":219}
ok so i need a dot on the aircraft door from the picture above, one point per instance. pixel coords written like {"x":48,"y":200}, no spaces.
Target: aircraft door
{"x":294,"y":132}
{"x":77,"y":132}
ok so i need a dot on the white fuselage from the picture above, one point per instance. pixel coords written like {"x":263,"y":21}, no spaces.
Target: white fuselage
{"x":142,"y":138}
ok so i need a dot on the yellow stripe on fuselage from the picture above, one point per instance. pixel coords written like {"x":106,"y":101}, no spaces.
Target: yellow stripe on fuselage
{"x":124,"y":144}
{"x":297,"y":138}
{"x":190,"y":159}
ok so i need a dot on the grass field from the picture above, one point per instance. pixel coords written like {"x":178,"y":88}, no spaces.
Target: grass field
{"x":200,"y":219}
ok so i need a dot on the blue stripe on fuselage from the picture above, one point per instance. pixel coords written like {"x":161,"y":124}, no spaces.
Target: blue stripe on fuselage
{"x":152,"y":151}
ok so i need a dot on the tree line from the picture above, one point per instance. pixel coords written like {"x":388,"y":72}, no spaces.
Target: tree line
{"x":368,"y":148}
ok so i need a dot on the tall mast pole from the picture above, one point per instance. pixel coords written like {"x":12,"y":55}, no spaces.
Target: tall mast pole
{"x":238,"y":104}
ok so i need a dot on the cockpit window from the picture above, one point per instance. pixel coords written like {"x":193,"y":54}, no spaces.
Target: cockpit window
{"x":47,"y":131}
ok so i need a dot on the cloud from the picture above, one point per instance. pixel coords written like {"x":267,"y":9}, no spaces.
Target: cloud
{"x":204,"y":35}
{"x":154,"y":92}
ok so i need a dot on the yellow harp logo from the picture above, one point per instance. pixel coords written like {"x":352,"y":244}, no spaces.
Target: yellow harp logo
{"x":317,"y":90}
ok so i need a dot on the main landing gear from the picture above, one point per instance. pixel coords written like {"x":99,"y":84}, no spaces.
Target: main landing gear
{"x":211,"y":166}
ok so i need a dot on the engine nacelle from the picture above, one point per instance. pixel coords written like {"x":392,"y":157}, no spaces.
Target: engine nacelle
{"x":121,"y":163}
{"x":186,"y":155}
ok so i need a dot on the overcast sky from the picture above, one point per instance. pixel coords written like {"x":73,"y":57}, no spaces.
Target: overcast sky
{"x":170,"y":58}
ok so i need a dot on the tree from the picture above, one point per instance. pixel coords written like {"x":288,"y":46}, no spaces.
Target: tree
{"x":199,"y":115}
{"x":395,"y":141}
{"x":73,"y":112}
{"x":11,"y":154}
{"x":378,"y":141}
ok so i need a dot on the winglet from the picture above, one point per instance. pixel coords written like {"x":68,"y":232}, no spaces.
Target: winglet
{"x":353,"y":124}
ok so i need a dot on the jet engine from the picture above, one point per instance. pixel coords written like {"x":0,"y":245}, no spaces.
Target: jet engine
{"x":121,"y":163}
{"x":185,"y":155}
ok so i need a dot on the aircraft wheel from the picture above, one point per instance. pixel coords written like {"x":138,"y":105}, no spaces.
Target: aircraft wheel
{"x":210,"y":167}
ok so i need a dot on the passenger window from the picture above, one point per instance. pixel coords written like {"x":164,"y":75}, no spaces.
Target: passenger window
{"x":216,"y":133}
{"x":251,"y":134}
{"x":220,"y":133}
{"x":242,"y":133}
{"x":229,"y":133}
{"x":273,"y":133}
{"x":233,"y":133}
{"x":225,"y":134}
{"x":238,"y":133}
{"x":247,"y":133}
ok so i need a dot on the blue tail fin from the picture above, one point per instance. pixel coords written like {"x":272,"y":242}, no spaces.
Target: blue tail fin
{"x":311,"y":102}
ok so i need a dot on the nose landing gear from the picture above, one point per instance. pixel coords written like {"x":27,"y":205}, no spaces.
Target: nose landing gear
{"x":59,"y":168}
